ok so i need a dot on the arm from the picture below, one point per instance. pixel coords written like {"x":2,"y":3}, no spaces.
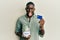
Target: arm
{"x":18,"y":30}
{"x":41,"y":31}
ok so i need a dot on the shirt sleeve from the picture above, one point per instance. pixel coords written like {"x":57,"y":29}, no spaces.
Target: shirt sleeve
{"x":18,"y":26}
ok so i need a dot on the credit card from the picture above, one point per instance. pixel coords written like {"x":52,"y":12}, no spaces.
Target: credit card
{"x":39,"y":17}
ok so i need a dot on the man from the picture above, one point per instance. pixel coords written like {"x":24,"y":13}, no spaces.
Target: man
{"x":30,"y":20}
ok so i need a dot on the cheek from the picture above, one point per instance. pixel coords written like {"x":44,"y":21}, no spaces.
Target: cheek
{"x":27,"y":9}
{"x":32,"y":10}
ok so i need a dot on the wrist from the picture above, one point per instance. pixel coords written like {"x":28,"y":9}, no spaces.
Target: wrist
{"x":41,"y":28}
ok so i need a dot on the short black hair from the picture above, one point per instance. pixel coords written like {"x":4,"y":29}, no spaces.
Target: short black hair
{"x":30,"y":3}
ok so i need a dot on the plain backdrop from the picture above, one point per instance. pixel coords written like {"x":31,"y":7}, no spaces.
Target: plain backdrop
{"x":10,"y":10}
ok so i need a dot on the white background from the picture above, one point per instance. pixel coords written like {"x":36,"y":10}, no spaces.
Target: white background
{"x":10,"y":10}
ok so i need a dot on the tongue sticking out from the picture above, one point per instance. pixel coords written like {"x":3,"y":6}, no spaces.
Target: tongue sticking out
{"x":30,"y":14}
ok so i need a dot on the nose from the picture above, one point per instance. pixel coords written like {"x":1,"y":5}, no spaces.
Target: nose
{"x":30,"y":10}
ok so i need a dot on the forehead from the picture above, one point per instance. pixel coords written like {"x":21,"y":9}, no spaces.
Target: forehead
{"x":30,"y":6}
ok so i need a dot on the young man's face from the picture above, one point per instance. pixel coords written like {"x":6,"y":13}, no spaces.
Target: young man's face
{"x":30,"y":9}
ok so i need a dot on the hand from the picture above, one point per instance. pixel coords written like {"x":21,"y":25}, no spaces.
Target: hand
{"x":27,"y":37}
{"x":42,"y":32}
{"x":41,"y":22}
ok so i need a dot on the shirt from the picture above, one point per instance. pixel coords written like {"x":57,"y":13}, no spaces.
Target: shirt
{"x":33,"y":25}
